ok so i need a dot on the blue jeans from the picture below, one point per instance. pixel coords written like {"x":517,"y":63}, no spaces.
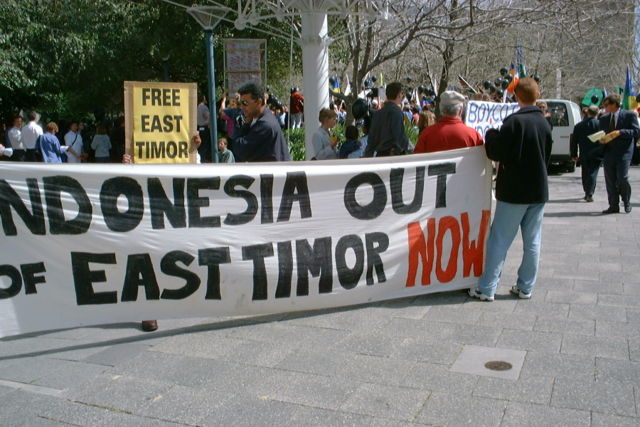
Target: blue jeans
{"x":506,"y":221}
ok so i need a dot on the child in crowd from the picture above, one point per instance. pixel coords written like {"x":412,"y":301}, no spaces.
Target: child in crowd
{"x":351,"y":144}
{"x":224,"y":154}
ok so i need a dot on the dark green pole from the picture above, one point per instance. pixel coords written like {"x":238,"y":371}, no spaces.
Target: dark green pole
{"x":213,"y":113}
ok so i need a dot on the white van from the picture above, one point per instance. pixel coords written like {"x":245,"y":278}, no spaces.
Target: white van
{"x":564,"y":116}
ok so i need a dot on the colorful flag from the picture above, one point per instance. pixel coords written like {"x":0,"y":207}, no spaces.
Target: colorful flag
{"x":347,"y":87}
{"x":514,"y":78}
{"x":628,"y":97}
{"x":520,"y":67}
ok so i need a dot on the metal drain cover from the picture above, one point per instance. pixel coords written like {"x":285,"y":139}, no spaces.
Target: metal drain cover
{"x":498,"y":365}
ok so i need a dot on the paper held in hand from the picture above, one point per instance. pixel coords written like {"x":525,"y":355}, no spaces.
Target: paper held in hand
{"x":594,"y":137}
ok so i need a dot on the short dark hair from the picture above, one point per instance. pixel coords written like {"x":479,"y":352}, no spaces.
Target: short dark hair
{"x":614,"y":98}
{"x":32,"y":116}
{"x":351,"y":132}
{"x":251,"y":89}
{"x":393,"y":89}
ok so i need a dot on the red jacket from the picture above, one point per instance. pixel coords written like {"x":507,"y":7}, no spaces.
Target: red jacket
{"x":448,"y":134}
{"x":297,"y":103}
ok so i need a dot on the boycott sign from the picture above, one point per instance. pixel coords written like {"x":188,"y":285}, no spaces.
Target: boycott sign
{"x":482,"y":115}
{"x":159,"y":121}
{"x":91,"y":244}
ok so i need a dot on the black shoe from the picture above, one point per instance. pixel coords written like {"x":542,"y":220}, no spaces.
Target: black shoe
{"x":588,"y":199}
{"x":627,"y":208}
{"x":610,"y":211}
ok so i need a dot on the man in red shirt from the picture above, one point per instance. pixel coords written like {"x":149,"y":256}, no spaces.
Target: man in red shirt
{"x":297,"y":108}
{"x":450,"y":132}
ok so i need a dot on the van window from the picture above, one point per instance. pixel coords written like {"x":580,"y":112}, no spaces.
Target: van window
{"x":559,"y":114}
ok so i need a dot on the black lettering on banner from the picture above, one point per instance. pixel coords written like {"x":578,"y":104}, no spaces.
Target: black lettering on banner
{"x":16,"y":281}
{"x":160,"y":205}
{"x":53,"y":187}
{"x":441,"y":171}
{"x":266,"y":199}
{"x":212,"y":258}
{"x":397,"y":200}
{"x":349,"y":277}
{"x":29,"y":272}
{"x":195,"y":202}
{"x":376,"y":243}
{"x":169,"y":266}
{"x":84,"y":278}
{"x":285,"y":270}
{"x":111,"y":190}
{"x":244,"y":181}
{"x":295,"y":190}
{"x":375,"y":208}
{"x":140,"y":272}
{"x":257,"y":254}
{"x":9,"y":198}
{"x":317,"y":261}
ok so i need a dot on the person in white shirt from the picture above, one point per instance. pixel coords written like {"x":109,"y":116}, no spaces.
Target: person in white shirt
{"x":202,"y":120}
{"x":14,"y":136}
{"x":102,"y":145}
{"x":30,"y":134}
{"x":73,"y":140}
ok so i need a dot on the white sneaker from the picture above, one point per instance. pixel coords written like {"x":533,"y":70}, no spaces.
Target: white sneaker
{"x":475,"y":293}
{"x":517,"y":292}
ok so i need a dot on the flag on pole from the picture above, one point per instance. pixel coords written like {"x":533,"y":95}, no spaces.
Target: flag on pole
{"x":628,"y":96}
{"x":347,"y":87}
{"x":521,"y":69}
{"x":514,"y":79}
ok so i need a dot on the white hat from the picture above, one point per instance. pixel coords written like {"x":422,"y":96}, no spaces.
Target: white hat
{"x":450,"y":98}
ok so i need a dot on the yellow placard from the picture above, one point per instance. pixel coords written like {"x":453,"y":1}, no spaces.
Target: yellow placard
{"x":159,"y":120}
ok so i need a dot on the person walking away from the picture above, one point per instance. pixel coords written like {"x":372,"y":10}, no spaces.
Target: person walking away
{"x":102,"y":145}
{"x":589,"y":153}
{"x":522,"y":147}
{"x":623,"y":128}
{"x":48,"y":145}
{"x":386,"y":135}
{"x":30,"y":134}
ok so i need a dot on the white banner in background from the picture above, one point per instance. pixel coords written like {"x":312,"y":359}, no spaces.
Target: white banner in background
{"x":91,"y":243}
{"x":483,"y":116}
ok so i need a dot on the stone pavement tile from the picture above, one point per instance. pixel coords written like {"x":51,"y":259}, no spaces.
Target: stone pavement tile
{"x":454,"y":298}
{"x":407,"y":308}
{"x":54,"y":373}
{"x":314,"y":390}
{"x":524,"y":414}
{"x":118,"y":392}
{"x":376,"y":370}
{"x":385,"y":401}
{"x":542,"y":309}
{"x":611,"y":347}
{"x":631,"y":288}
{"x":260,"y":353}
{"x":548,"y":342}
{"x":315,"y":361}
{"x":373,"y":343}
{"x":464,"y":334}
{"x":606,"y":328}
{"x":597,"y":312}
{"x":610,"y":287}
{"x":606,"y":420}
{"x":607,"y":396}
{"x":349,"y":319}
{"x":201,"y":345}
{"x":30,"y":346}
{"x":450,"y":409}
{"x":503,"y":304}
{"x":632,"y":301}
{"x":73,"y":413}
{"x":557,"y":365}
{"x":452,"y":315}
{"x":634,"y":349}
{"x":623,"y":371}
{"x":633,"y":316}
{"x":522,"y":321}
{"x":605,"y":265}
{"x":584,"y":327}
{"x":20,"y":405}
{"x":571,"y":297}
{"x":528,"y":389}
{"x":112,"y":355}
{"x":429,"y":376}
{"x":185,"y":405}
{"x":424,"y":349}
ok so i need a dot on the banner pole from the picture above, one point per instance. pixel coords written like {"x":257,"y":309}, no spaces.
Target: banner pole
{"x":213,"y":114}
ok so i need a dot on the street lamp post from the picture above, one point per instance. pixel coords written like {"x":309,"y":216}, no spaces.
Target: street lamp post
{"x":209,"y":17}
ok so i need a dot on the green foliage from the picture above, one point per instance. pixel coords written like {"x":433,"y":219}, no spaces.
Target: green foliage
{"x":412,"y":133}
{"x":296,"y":143}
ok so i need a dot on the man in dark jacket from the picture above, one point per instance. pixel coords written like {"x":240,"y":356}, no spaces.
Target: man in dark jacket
{"x":522,"y":147}
{"x":260,"y":139}
{"x":386,"y":135}
{"x":590,"y":152}
{"x":624,"y":130}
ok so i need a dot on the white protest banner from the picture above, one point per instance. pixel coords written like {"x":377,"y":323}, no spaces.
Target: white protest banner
{"x":482,"y":115}
{"x":92,"y":244}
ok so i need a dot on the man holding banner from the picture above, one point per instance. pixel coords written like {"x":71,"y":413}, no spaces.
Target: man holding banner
{"x":522,"y":147}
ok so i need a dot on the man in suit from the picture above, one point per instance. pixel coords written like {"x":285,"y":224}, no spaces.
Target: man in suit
{"x":618,"y":152}
{"x":590,"y":152}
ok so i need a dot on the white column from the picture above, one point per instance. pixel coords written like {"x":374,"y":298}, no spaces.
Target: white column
{"x":315,"y":70}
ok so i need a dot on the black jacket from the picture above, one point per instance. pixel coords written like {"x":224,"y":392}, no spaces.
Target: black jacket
{"x":522,"y":147}
{"x":588,"y":149}
{"x":387,"y":131}
{"x":262,"y":142}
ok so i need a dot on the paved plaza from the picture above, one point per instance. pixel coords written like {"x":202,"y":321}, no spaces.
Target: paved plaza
{"x":570,"y":356}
